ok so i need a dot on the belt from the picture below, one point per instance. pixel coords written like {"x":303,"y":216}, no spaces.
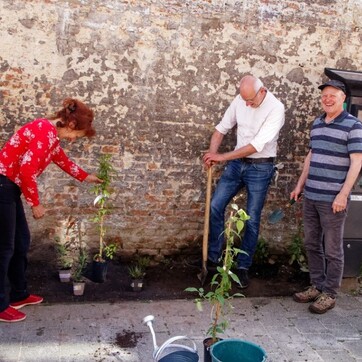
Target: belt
{"x":258,"y":160}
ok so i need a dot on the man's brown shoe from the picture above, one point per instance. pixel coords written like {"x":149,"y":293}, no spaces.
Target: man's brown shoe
{"x":308,"y":295}
{"x":323,"y":304}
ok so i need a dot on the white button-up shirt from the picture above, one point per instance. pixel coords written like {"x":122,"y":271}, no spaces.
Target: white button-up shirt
{"x":256,"y":126}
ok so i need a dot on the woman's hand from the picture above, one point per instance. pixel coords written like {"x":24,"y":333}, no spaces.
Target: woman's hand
{"x":93,"y":179}
{"x":38,"y":211}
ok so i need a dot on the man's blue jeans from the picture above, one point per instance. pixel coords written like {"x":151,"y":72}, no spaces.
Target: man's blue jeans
{"x":255,"y":178}
{"x":14,"y":243}
{"x":323,"y":240}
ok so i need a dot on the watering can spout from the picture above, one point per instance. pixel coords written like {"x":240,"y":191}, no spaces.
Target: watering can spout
{"x":171,"y":351}
{"x":148,"y":321}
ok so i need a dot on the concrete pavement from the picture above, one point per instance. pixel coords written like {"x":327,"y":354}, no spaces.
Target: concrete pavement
{"x":114,"y":332}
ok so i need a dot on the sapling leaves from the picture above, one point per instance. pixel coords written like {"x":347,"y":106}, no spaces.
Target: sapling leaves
{"x":221,"y":283}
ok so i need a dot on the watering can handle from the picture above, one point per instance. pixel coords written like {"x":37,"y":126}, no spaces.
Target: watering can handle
{"x":169,"y":343}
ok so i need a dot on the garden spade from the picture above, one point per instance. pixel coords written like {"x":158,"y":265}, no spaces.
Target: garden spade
{"x":202,"y":275}
{"x":278,"y":214}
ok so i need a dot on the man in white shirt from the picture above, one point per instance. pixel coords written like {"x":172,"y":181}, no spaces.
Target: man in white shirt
{"x":258,"y":116}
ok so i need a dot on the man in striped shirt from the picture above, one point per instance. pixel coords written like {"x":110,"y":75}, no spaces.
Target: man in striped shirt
{"x":329,"y":173}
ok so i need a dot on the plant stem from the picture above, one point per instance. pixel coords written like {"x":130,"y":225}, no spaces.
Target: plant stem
{"x":228,"y":243}
{"x":216,"y":317}
{"x":101,"y":235}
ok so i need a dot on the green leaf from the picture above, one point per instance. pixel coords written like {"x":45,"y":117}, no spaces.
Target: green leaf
{"x":199,"y":305}
{"x":220,"y":299}
{"x":239,"y":226}
{"x":238,"y":295}
{"x":235,"y":278}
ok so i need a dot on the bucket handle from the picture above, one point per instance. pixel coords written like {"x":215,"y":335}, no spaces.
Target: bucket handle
{"x":169,"y":343}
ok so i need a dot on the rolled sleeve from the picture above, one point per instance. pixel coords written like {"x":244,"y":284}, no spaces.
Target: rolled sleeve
{"x":270,"y":129}
{"x":229,"y":120}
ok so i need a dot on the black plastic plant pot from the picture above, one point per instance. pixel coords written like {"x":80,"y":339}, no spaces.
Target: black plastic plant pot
{"x":99,"y":271}
{"x":207,"y":342}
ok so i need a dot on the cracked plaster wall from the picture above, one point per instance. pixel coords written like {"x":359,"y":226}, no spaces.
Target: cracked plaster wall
{"x":160,"y":75}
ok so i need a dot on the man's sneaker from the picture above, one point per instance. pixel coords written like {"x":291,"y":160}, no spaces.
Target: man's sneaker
{"x":11,"y":315}
{"x":32,"y":299}
{"x":308,"y":295}
{"x":324,"y":303}
{"x":243,"y":278}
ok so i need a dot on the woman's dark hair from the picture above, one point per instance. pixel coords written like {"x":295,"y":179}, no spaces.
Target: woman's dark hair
{"x":78,"y":113}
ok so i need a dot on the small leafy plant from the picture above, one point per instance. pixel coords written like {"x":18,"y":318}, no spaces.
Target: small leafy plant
{"x":80,"y":266}
{"x":143,"y":261}
{"x":136,"y":271}
{"x":219,"y":296}
{"x":297,"y":252}
{"x":81,"y":261}
{"x":66,"y":242}
{"x":109,"y":251}
{"x":64,"y":257}
{"x":103,"y":191}
{"x":261,"y":255}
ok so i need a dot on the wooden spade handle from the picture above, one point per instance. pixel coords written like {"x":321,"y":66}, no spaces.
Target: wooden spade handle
{"x":205,"y":239}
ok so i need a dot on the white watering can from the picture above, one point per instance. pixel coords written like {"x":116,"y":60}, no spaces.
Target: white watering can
{"x":170,"y":351}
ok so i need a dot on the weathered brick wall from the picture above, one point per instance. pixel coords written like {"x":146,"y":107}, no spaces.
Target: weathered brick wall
{"x":160,"y":74}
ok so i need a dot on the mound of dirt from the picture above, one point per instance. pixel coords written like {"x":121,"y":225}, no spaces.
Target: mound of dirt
{"x":167,"y":280}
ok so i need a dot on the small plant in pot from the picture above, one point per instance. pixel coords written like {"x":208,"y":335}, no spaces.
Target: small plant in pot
{"x":103,"y":191}
{"x":220,"y":296}
{"x":78,"y":272}
{"x":66,"y":244}
{"x":64,"y":261}
{"x":137,"y":273}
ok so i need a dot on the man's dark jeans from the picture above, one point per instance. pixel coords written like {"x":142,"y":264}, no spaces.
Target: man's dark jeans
{"x":255,"y":178}
{"x":14,"y":243}
{"x":323,"y":240}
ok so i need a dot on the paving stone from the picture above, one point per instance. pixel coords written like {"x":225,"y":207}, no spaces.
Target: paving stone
{"x":308,"y":325}
{"x":354,"y":347}
{"x":94,"y":331}
{"x":336,"y":356}
{"x":325,"y":341}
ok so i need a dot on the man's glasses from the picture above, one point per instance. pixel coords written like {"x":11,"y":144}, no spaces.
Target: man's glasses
{"x":253,"y":99}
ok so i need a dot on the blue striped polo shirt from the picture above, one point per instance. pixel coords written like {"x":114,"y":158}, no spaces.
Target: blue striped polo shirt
{"x":331,"y":145}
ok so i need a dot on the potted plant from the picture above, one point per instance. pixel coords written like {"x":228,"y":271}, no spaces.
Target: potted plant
{"x":64,"y":261}
{"x":77,"y":272}
{"x":137,"y":273}
{"x":68,"y":236}
{"x":103,"y":191}
{"x":219,"y":296}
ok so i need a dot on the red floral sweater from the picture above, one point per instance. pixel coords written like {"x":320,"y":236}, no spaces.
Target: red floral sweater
{"x":29,"y":151}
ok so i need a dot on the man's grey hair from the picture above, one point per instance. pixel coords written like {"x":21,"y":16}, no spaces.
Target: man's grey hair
{"x":258,"y":84}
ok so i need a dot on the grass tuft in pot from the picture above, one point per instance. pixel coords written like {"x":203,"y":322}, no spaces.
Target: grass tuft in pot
{"x":137,"y":272}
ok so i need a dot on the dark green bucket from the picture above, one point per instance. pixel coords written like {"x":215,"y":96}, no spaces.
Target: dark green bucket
{"x":236,"y":350}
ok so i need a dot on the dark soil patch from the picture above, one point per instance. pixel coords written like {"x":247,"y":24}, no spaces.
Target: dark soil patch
{"x":165,"y":281}
{"x":127,"y":339}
